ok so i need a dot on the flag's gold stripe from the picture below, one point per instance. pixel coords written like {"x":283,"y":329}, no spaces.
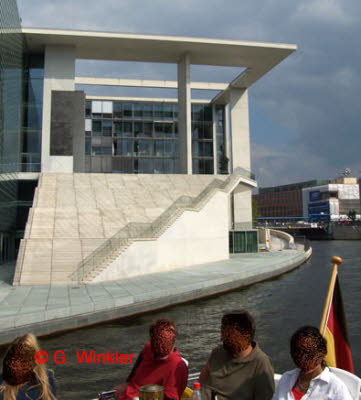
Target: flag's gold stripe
{"x":331,"y":356}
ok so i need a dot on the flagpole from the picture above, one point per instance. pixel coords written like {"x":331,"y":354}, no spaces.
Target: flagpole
{"x":336,"y":262}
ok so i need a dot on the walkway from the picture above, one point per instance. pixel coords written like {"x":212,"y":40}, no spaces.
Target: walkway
{"x":51,"y":308}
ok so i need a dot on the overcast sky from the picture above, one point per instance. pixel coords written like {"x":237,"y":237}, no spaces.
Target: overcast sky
{"x":305,"y":114}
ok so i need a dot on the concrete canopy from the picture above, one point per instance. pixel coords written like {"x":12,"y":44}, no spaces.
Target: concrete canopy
{"x":257,"y":57}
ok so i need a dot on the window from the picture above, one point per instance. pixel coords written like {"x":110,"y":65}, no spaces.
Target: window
{"x":138,"y":129}
{"x":168,"y":110}
{"x":88,"y":108}
{"x":145,"y":147}
{"x":117,"y":109}
{"x":127,"y":110}
{"x":148,"y":129}
{"x":127,"y":129}
{"x":97,"y":127}
{"x":118,"y":128}
{"x":147,"y":110}
{"x":138,"y":110}
{"x":107,"y":127}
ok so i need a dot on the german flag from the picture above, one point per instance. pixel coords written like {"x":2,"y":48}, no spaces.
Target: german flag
{"x":334,"y":329}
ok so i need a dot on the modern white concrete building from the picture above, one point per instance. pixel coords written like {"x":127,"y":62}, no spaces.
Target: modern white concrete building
{"x":201,"y":147}
{"x":332,"y":202}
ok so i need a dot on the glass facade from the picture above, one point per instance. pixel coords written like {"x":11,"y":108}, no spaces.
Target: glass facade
{"x":222,"y":159}
{"x":142,"y":137}
{"x":202,"y":139}
{"x":11,"y":67}
{"x":33,"y":112}
{"x":11,"y":117}
{"x":131,"y":137}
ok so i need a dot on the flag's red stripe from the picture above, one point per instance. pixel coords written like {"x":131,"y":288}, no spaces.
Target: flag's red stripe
{"x":342,"y":350}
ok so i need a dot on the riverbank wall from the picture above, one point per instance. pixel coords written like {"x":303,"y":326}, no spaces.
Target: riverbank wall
{"x":48,"y":309}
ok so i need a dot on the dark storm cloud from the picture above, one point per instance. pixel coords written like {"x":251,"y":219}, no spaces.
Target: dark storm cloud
{"x":313,"y":95}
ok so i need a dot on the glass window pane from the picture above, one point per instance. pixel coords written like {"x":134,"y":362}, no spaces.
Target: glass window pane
{"x":88,"y":108}
{"x":87,"y":146}
{"x":106,"y":151}
{"x":145,"y":166}
{"x":168,"y":110}
{"x":197,"y":130}
{"x":118,"y":128}
{"x":96,"y":151}
{"x":147,"y":110}
{"x":128,"y":129}
{"x":168,"y":129}
{"x":145,"y":147}
{"x":158,"y":129}
{"x":158,"y":166}
{"x":138,"y":129}
{"x":207,"y":130}
{"x":168,"y":166}
{"x":117,"y":109}
{"x":208,"y":167}
{"x":117,"y":147}
{"x":208,"y":149}
{"x":168,"y":148}
{"x":195,"y":148}
{"x":97,"y":126}
{"x":197,"y":112}
{"x":138,"y":110}
{"x":148,"y":129}
{"x":159,"y":148}
{"x":158,"y":110}
{"x":128,"y":110}
{"x":107,"y":128}
{"x":127,"y":147}
{"x":207,"y":113}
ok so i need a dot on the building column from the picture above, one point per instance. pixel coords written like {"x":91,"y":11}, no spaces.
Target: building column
{"x":185,"y":115}
{"x":240,"y":156}
{"x":240,"y":143}
{"x":228,"y":137}
{"x":59,"y":74}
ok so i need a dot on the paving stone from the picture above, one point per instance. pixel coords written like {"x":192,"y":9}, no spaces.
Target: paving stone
{"x":35,"y":307}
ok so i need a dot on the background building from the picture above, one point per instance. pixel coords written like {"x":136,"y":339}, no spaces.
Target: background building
{"x":99,"y":175}
{"x":284,"y":200}
{"x":318,"y":199}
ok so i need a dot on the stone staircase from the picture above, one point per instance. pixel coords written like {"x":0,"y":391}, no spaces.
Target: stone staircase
{"x":110,"y":250}
{"x":76,"y":218}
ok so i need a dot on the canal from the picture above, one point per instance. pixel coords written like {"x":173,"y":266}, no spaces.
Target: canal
{"x":279,"y":306}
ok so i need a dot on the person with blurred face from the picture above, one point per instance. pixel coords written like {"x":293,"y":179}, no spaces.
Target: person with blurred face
{"x":311,"y":380}
{"x":238,"y":369}
{"x":22,"y":377}
{"x":158,"y":363}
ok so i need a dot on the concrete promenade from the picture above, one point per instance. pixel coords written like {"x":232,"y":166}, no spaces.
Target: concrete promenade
{"x":50,"y":308}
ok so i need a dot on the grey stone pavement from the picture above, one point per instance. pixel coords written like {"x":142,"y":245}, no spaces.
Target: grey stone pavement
{"x":50,"y":308}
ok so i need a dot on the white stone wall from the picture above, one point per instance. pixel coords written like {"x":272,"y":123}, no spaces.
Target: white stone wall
{"x":195,"y":238}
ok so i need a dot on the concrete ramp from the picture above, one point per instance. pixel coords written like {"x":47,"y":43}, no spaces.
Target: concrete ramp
{"x":75,"y":216}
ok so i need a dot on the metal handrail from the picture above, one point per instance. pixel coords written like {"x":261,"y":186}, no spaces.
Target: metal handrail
{"x":140,"y":231}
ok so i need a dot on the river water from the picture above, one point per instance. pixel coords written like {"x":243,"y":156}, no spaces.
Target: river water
{"x":279,"y":306}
